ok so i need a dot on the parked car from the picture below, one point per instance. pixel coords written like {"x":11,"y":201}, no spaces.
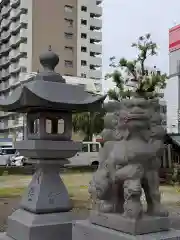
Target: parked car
{"x":88,"y":156}
{"x":6,"y":156}
{"x":19,"y":160}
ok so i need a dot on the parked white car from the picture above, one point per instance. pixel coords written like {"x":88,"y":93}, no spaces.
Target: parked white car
{"x":6,"y":156}
{"x":88,"y":156}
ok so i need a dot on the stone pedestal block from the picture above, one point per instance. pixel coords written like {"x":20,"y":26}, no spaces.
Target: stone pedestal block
{"x":85,"y":230}
{"x":146,"y":224}
{"x":23,"y":225}
{"x":175,"y":222}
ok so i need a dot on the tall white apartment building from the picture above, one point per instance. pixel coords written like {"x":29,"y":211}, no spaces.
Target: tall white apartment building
{"x":73,"y":28}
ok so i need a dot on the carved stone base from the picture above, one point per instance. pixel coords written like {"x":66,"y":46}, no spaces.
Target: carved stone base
{"x":117,"y":222}
{"x":84,"y":230}
{"x":23,"y":225}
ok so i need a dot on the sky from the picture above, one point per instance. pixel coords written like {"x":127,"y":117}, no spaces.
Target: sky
{"x":124,"y":21}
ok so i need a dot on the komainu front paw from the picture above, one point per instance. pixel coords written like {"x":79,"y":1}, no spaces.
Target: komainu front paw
{"x":106,"y":207}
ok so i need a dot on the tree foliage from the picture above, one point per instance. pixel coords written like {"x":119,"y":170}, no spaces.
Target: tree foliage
{"x":88,"y":123}
{"x":125,"y":72}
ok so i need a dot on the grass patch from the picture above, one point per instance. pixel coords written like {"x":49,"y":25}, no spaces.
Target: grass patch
{"x":11,"y":192}
{"x":77,"y":186}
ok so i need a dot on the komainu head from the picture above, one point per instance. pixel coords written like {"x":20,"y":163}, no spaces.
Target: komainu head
{"x":134,"y":115}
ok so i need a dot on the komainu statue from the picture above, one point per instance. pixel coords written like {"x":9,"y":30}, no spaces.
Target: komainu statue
{"x":129,"y":160}
{"x":150,"y":180}
{"x":102,"y":187}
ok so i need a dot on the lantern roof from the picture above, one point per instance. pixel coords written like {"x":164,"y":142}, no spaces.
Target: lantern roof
{"x":48,"y":91}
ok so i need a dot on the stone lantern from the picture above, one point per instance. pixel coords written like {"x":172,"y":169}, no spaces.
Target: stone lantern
{"x":45,"y":209}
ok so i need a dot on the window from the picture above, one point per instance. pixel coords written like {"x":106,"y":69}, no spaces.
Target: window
{"x":83,"y":63}
{"x":68,"y":48}
{"x":92,"y":67}
{"x":84,"y":8}
{"x":94,"y":147}
{"x":25,"y":26}
{"x":83,"y":22}
{"x":68,"y":8}
{"x":69,"y":22}
{"x":60,"y":126}
{"x":92,"y":41}
{"x":83,"y":35}
{"x":85,"y":148}
{"x":34,"y":126}
{"x":54,"y":126}
{"x":83,"y":75}
{"x":68,"y":63}
{"x":83,"y":49}
{"x":92,"y":54}
{"x":68,"y":35}
{"x":7,"y":151}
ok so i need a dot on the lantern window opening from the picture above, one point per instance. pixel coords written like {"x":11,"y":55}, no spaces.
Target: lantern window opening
{"x":54,"y":126}
{"x":34,"y":126}
{"x":61,"y":126}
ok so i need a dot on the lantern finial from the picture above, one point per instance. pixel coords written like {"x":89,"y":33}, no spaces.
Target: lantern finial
{"x":49,"y":60}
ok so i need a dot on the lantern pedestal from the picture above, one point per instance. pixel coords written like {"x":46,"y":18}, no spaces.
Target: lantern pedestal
{"x":45,"y":207}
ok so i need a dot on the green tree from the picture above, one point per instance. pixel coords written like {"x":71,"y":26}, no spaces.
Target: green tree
{"x":89,"y":123}
{"x":125,"y":72}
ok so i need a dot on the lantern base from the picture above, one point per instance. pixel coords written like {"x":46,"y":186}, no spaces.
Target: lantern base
{"x":23,"y":225}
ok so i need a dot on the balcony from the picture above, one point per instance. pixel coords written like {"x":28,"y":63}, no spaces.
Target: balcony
{"x":95,"y":11}
{"x":98,"y":2}
{"x":14,"y":67}
{"x":97,"y":48}
{"x":5,"y":11}
{"x":23,"y":33}
{"x":95,"y":35}
{"x":95,"y":73}
{"x":5,"y":48}
{"x":13,"y":54}
{"x":5,"y":86}
{"x":5,"y":74}
{"x":4,"y":61}
{"x":17,"y":53}
{"x":18,"y":66}
{"x":5,"y":36}
{"x":14,"y":3}
{"x":15,"y":13}
{"x":24,"y":18}
{"x":95,"y":61}
{"x":5,"y":24}
{"x":23,"y":62}
{"x":15,"y":26}
{"x":95,"y":23}
{"x":17,"y":39}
